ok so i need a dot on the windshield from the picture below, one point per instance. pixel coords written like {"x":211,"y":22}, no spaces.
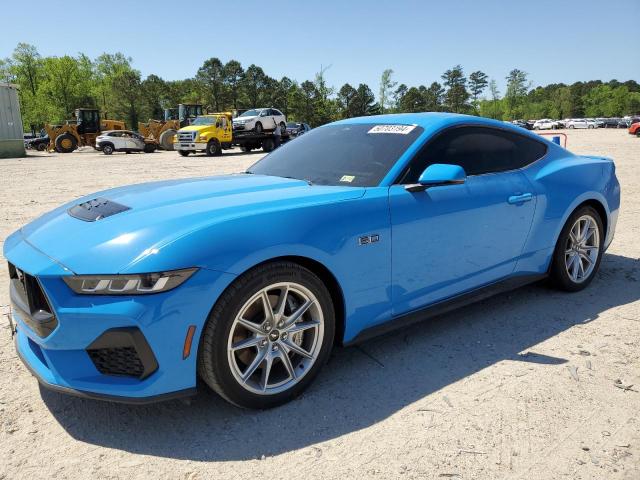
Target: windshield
{"x":292,"y":125}
{"x":349,"y":155}
{"x":204,"y":121}
{"x":251,"y":113}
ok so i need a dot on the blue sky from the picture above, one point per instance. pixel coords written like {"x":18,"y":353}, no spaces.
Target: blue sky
{"x":554,"y":41}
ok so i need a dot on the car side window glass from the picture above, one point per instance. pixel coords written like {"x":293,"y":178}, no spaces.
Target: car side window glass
{"x":277,"y":113}
{"x":478,"y":150}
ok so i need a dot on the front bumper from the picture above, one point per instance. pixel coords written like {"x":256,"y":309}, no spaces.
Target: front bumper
{"x":90,"y":351}
{"x":190,"y":146}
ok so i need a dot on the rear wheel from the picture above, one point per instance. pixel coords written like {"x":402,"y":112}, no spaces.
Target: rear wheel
{"x":579,"y":250}
{"x":267,"y":336}
{"x":268,"y":145}
{"x":638,"y":132}
{"x":149,"y":148}
{"x":245,"y":148}
{"x":66,"y":143}
{"x":42,"y":147}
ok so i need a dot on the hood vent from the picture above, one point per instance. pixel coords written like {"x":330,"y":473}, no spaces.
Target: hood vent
{"x":96,"y":209}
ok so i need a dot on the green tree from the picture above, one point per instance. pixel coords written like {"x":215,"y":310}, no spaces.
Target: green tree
{"x":386,"y":90}
{"x":517,"y":87}
{"x":154,"y":93}
{"x":478,"y":82}
{"x":346,"y":95}
{"x":253,"y":85}
{"x":433,"y":97}
{"x":232,"y":75}
{"x":210,"y":75}
{"x":413,"y":101}
{"x":456,"y":95}
{"x":364,"y":102}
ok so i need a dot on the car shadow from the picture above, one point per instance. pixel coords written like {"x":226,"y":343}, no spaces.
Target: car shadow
{"x":361,"y":385}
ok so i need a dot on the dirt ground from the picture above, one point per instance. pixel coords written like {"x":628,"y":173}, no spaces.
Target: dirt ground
{"x":534,"y":384}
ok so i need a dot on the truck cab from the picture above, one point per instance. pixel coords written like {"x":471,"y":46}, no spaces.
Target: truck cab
{"x":209,"y":133}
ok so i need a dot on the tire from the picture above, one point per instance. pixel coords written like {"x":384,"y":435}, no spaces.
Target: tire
{"x":184,"y":153}
{"x":66,"y":143}
{"x":561,"y":263}
{"x":570,"y":127}
{"x":258,"y":127}
{"x":149,"y":148}
{"x":246,"y":149}
{"x":638,"y":132}
{"x":220,"y":366}
{"x":166,"y":139}
{"x":283,"y":128}
{"x":268,"y":145}
{"x":213,"y":148}
{"x":107,"y":149}
{"x":42,"y":147}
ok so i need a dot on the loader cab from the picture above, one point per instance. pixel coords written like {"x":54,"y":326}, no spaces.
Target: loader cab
{"x":88,"y":120}
{"x":188,"y":112}
{"x":170,"y":114}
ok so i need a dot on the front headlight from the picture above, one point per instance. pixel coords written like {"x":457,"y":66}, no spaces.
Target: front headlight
{"x":136,"y":284}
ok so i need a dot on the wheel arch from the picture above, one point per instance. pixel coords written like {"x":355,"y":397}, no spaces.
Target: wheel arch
{"x":326,"y":276}
{"x":599,"y":204}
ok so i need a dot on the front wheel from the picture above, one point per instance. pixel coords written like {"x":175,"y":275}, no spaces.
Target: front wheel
{"x":258,"y":127}
{"x":213,"y":149}
{"x":107,"y":149}
{"x":267,"y":336}
{"x":579,"y":250}
{"x":184,"y":153}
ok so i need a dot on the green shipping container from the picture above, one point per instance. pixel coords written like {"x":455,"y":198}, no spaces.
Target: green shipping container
{"x":11,"y":135}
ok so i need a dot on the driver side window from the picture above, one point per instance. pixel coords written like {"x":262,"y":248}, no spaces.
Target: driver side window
{"x":478,"y":150}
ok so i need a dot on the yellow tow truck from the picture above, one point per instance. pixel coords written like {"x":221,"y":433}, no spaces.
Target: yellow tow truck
{"x":210,"y":133}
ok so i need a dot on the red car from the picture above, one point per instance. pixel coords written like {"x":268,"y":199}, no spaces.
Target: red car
{"x":634,"y":128}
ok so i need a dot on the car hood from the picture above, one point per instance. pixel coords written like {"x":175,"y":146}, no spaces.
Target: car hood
{"x":195,"y":128}
{"x":162,"y":212}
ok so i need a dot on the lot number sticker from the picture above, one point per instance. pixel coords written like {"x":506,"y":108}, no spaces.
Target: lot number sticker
{"x":397,"y":129}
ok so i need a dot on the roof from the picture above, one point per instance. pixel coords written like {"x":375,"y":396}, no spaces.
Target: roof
{"x":435,"y":121}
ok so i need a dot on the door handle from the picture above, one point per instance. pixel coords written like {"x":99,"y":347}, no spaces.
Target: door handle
{"x":520,"y":198}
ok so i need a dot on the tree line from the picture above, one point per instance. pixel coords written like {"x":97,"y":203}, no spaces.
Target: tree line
{"x":52,"y":87}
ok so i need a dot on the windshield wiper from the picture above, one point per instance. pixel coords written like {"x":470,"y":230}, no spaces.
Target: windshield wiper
{"x":303,"y":179}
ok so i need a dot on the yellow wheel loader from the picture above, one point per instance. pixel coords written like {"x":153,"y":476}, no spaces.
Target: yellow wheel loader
{"x":80,"y":132}
{"x":162,"y":132}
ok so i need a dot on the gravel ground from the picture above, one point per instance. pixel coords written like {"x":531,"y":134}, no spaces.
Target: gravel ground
{"x":523,"y":385}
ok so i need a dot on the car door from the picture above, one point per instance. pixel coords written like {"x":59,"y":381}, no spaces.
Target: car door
{"x":224,"y":129}
{"x":450,"y":239}
{"x":117,"y":140}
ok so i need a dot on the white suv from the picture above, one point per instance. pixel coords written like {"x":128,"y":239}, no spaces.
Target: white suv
{"x":545,"y":124}
{"x":260,"y":119}
{"x":122,"y":141}
{"x":581,"y":123}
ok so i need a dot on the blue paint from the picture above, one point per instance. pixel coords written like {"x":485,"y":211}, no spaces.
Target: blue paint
{"x":433,"y":244}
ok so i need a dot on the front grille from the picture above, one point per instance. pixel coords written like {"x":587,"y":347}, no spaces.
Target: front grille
{"x":186,"y":136}
{"x":124,"y":352}
{"x":117,"y":361}
{"x":28,"y":298}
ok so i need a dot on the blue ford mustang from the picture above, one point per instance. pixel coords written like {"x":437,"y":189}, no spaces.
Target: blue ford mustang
{"x":248,"y":280}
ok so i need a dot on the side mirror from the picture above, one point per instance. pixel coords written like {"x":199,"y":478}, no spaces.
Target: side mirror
{"x":437,"y":175}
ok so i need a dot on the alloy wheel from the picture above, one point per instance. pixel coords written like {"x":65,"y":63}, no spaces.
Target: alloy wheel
{"x":275,"y":338}
{"x":582,"y":249}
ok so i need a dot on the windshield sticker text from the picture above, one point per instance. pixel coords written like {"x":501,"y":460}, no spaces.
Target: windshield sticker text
{"x":397,"y":129}
{"x":347,"y":178}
